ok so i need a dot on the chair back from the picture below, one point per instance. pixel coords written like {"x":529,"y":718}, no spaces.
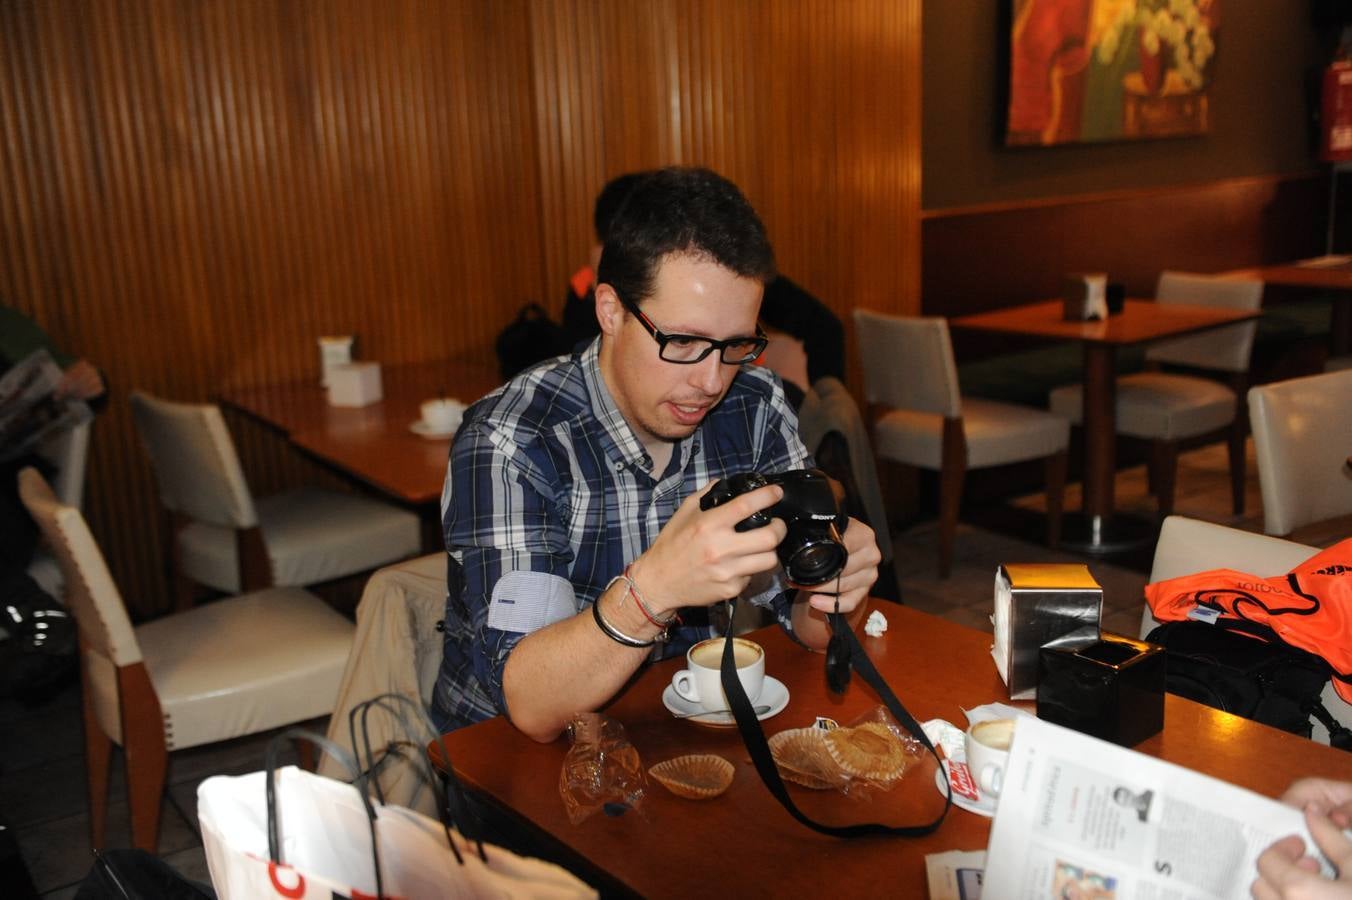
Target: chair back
{"x":194,"y":459}
{"x":1302,"y":435}
{"x":1187,"y":546}
{"x":68,"y":451}
{"x":1221,"y":349}
{"x":91,"y":595}
{"x":908,"y":362}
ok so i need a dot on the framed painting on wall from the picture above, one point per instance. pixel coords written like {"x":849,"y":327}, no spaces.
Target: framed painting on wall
{"x":1082,"y":71}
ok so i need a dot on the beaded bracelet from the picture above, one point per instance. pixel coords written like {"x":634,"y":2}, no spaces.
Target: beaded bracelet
{"x":614,"y":633}
{"x":643,"y":607}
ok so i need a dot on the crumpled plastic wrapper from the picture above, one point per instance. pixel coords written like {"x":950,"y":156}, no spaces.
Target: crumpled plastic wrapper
{"x":602,"y":770}
{"x":871,"y":754}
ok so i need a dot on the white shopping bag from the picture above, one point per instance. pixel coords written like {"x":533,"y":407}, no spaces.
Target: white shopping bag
{"x":324,"y":844}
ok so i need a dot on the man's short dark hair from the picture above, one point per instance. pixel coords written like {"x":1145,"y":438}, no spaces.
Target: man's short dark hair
{"x":611,"y":198}
{"x":682,"y":211}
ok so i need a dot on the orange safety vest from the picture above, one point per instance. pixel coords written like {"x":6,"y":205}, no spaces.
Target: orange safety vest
{"x":1310,"y":607}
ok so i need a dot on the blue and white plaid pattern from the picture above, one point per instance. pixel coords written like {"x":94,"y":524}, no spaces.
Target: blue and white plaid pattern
{"x":549,"y":495}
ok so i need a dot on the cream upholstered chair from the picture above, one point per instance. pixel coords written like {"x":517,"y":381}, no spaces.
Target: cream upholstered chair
{"x":227,"y":541}
{"x":1302,"y":436}
{"x":226,"y":669}
{"x":923,"y":420}
{"x":1168,"y":408}
{"x":1187,"y":546}
{"x":69,"y":453}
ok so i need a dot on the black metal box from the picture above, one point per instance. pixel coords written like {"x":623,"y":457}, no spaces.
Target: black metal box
{"x":1111,"y":688}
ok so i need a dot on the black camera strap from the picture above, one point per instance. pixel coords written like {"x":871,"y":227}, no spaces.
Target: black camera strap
{"x":756,"y":744}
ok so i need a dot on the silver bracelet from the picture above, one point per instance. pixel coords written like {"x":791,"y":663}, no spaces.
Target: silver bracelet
{"x":614,"y":633}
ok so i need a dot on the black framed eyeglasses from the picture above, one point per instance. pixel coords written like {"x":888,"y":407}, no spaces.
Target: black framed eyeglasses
{"x":688,"y":349}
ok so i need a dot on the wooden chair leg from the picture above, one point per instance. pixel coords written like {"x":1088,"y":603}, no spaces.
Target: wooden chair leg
{"x":1238,"y":433}
{"x":255,"y":567}
{"x":1164,"y":460}
{"x":98,"y":758}
{"x":305,"y":751}
{"x":1238,"y":466}
{"x":951,"y":475}
{"x":1056,"y":493}
{"x":147,"y":755}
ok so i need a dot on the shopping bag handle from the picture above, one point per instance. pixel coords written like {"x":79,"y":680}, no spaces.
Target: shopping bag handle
{"x":453,"y":811}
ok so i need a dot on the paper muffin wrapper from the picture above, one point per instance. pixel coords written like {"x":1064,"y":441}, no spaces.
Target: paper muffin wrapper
{"x":870,"y":751}
{"x":698,"y":776}
{"x":802,"y":757}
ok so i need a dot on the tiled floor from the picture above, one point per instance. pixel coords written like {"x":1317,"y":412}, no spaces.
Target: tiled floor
{"x":42,"y":780}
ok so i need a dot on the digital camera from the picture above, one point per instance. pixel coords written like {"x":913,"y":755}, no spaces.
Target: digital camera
{"x":812,"y":551}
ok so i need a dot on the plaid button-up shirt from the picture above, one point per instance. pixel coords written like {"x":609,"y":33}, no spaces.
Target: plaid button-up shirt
{"x":549,"y":494}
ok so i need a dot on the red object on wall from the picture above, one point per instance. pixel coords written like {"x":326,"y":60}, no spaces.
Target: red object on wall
{"x":1336,"y":145}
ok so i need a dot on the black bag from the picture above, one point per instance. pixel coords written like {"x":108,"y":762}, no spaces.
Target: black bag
{"x":1246,"y":670}
{"x":38,"y":655}
{"x":531,"y":337}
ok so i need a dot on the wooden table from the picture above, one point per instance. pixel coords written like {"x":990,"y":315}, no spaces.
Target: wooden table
{"x":1329,"y":273}
{"x":744,"y":844}
{"x":371,"y":443}
{"x":1140,"y":322}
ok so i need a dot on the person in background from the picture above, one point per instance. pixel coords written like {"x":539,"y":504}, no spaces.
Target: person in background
{"x":577,"y":549}
{"x":81,"y":380}
{"x":790,"y":309}
{"x":579,"y":306}
{"x":1285,"y":871}
{"x":37,"y":645}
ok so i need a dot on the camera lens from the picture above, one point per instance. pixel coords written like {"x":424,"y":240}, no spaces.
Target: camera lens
{"x":814,"y":561}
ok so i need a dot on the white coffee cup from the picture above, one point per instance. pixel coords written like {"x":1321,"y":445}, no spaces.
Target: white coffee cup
{"x":987,"y":745}
{"x":700,"y":683}
{"x":442,"y":415}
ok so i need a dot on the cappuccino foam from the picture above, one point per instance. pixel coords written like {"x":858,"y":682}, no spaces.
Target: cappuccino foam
{"x":709,"y":654}
{"x":997,"y":734}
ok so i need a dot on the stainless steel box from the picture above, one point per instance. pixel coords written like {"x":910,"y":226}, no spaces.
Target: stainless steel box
{"x":1037,"y":604}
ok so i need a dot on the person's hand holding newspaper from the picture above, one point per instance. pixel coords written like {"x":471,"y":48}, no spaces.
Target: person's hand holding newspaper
{"x":1285,"y":872}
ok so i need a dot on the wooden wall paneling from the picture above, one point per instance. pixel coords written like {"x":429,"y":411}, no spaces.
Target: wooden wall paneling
{"x":565,"y":56}
{"x":192,"y":193}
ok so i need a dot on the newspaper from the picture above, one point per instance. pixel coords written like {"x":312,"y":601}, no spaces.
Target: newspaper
{"x":30,"y":410}
{"x":1080,"y":817}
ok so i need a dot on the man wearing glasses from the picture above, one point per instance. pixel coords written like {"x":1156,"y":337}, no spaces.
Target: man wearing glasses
{"x":577,"y":548}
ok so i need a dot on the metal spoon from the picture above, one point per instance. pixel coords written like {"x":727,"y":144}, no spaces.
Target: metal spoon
{"x":718,"y":712}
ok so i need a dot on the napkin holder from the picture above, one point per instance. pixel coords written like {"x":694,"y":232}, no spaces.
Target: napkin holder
{"x":1085,"y":297}
{"x":1035,"y":604}
{"x":355,"y":384}
{"x":1111,"y":687}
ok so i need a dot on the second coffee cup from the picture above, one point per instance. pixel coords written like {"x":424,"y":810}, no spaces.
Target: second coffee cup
{"x":987,"y":745}
{"x":700,"y":683}
{"x":442,"y":415}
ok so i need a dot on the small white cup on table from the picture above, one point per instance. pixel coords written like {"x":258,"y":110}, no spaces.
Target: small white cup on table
{"x":987,"y":745}
{"x":700,"y":682}
{"x":441,"y":415}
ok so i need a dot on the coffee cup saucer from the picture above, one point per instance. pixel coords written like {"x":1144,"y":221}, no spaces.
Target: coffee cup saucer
{"x":422,"y":429}
{"x":963,"y":788}
{"x":773,"y":694}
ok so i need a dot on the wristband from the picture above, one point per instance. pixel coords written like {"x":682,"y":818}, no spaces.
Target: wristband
{"x":614,"y":633}
{"x":643,"y":606}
